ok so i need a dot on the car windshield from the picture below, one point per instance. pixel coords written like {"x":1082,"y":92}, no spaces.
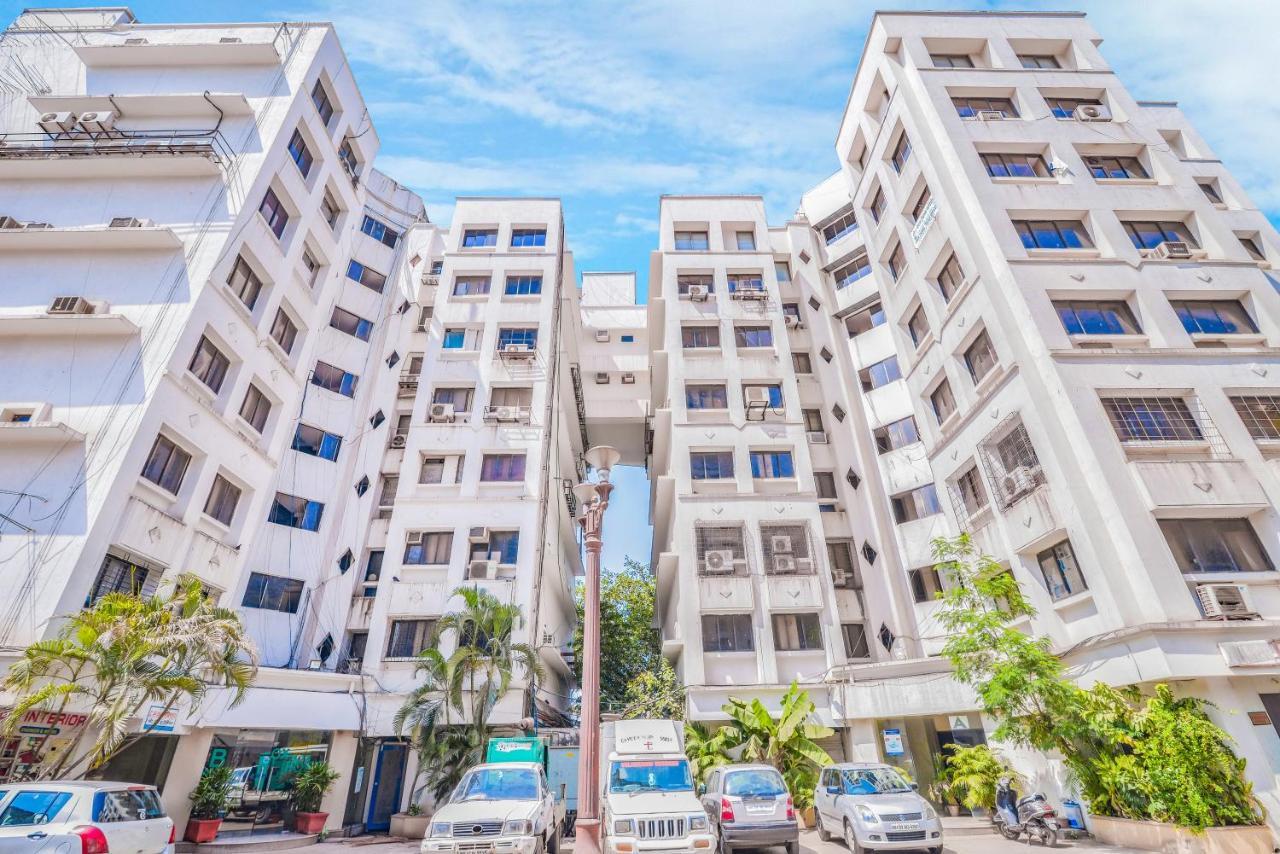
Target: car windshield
{"x":656,"y":775}
{"x":755,"y":784}
{"x":498,"y":784}
{"x":873,"y":781}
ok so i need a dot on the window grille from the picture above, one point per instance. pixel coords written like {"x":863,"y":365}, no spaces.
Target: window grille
{"x":1163,"y":422}
{"x":1260,"y":414}
{"x":716,"y":542}
{"x":786,"y":550}
{"x":1011,"y":462}
{"x":968,"y":494}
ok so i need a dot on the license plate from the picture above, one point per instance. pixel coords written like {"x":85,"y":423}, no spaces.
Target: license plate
{"x":761,"y":809}
{"x":903,"y":826}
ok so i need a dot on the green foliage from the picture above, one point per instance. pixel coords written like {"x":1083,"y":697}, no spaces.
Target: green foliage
{"x":656,"y":695}
{"x":122,"y":655}
{"x":629,"y":642}
{"x":706,"y":749}
{"x":209,"y":798}
{"x":1156,"y":757}
{"x":973,"y":772}
{"x":414,"y":809}
{"x":311,"y":784}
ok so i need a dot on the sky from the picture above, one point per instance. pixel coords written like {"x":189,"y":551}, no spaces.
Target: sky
{"x":609,"y":105}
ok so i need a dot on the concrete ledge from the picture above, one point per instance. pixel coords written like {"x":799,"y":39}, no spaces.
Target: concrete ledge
{"x":251,"y":844}
{"x":1158,"y":836}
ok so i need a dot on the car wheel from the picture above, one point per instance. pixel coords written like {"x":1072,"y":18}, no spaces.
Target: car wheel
{"x":793,"y":847}
{"x":851,"y":839}
{"x":936,"y":850}
{"x":721,"y":846}
{"x":822,"y":831}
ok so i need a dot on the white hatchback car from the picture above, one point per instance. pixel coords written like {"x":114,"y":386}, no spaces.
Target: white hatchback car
{"x":83,"y":817}
{"x":873,"y":808}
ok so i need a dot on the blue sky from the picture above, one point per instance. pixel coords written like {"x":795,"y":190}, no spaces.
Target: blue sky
{"x":609,"y":105}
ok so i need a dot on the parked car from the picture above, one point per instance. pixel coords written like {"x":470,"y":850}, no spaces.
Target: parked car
{"x":83,"y":817}
{"x":749,"y":807}
{"x":874,"y":808}
{"x":504,"y":807}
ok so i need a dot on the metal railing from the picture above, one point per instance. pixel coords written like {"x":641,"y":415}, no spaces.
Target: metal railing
{"x":170,"y":143}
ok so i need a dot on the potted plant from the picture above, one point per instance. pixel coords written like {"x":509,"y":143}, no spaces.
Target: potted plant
{"x":410,"y":824}
{"x":208,"y":804}
{"x":974,"y":773}
{"x":309,"y":788}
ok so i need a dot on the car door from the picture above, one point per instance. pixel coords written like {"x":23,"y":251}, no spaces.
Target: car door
{"x":824,"y":801}
{"x":35,"y":820}
{"x":133,"y":820}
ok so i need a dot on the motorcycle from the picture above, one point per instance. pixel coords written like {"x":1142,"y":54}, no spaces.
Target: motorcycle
{"x":1031,"y":815}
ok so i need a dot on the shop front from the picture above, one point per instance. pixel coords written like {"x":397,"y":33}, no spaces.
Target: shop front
{"x":263,"y":763}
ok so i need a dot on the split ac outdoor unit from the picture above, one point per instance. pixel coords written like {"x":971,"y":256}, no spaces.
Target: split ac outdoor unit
{"x":98,"y":121}
{"x":756,"y":395}
{"x":719,"y":562}
{"x":517,"y":352}
{"x":1092,"y":113}
{"x":698,"y":293}
{"x":440,"y":412}
{"x":780,"y":544}
{"x":58,"y":122}
{"x":482,"y":570}
{"x":784,"y":564}
{"x":506,"y":413}
{"x":602,"y":377}
{"x":128,"y":222}
{"x":792,"y":320}
{"x":602,"y":335}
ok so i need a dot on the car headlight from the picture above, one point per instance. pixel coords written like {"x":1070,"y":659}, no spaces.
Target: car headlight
{"x":623,"y":826}
{"x":517,"y":827}
{"x":867,"y":815}
{"x":929,"y":813}
{"x":698,"y":822}
{"x":441,"y":828}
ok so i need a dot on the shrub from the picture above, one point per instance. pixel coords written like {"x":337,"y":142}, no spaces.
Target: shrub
{"x":209,"y":798}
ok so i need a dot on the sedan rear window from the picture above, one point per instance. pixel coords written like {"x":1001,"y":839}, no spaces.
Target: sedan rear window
{"x":33,"y":808}
{"x":755,"y":784}
{"x":127,"y":805}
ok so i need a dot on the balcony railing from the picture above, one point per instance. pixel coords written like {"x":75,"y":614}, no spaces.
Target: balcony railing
{"x":164,"y":143}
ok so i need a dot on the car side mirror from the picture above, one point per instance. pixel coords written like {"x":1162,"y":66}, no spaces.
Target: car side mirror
{"x":833,"y":790}
{"x":915,"y":787}
{"x":702,"y":788}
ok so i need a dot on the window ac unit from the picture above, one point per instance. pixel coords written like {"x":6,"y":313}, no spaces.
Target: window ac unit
{"x":780,"y":544}
{"x":128,"y":222}
{"x":628,"y":379}
{"x":482,"y":570}
{"x":792,"y":321}
{"x":1225,"y":602}
{"x":399,"y":440}
{"x":230,"y":40}
{"x":478,"y":534}
{"x":749,"y":292}
{"x":784,"y":564}
{"x":10,"y":222}
{"x":37,"y":226}
{"x":517,"y":352}
{"x":70,"y":305}
{"x":413,"y":538}
{"x":602,"y":335}
{"x":602,"y":377}
{"x":430,"y":281}
{"x":756,"y":395}
{"x":817,"y":437}
{"x":99,"y":121}
{"x":1173,"y":249}
{"x":1092,"y":113}
{"x":698,"y":293}
{"x":441,"y":412}
{"x":1258,"y":653}
{"x":804,"y":564}
{"x":719,"y":562}
{"x":59,"y":122}
{"x":990,"y":116}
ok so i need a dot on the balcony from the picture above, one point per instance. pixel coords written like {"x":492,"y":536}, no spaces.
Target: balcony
{"x":151,"y":532}
{"x":113,"y":154}
{"x":1175,"y":486}
{"x":214,"y":561}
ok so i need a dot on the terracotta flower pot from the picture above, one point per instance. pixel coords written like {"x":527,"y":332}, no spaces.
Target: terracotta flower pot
{"x":202,"y":829}
{"x":807,"y":816}
{"x":953,"y":810}
{"x":309,"y":822}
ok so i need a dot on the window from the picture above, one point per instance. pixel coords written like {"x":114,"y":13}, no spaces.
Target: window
{"x":471,"y":286}
{"x":980,"y":357}
{"x":1116,"y":168}
{"x":727,"y":633}
{"x":1210,"y":190}
{"x":428,"y":548}
{"x":283,"y":331}
{"x":921,"y":203}
{"x":209,"y":365}
{"x":255,"y":408}
{"x":347,"y":155}
{"x":380,"y":231}
{"x":1031,"y":60}
{"x":844,"y":573}
{"x":692,"y":240}
{"x":244,"y":283}
{"x":721,"y":549}
{"x":503,"y":546}
{"x":896,"y":434}
{"x":324,"y":106}
{"x":696,"y":337}
{"x":222,"y":500}
{"x":881,"y":373}
{"x":300,"y":153}
{"x":897,"y":261}
{"x":316,"y":442}
{"x":951,"y":60}
{"x":706,"y":397}
{"x":1260,"y":414}
{"x":273,"y":212}
{"x":295,"y":512}
{"x":272,"y":592}
{"x":917,"y":325}
{"x":855,"y":640}
{"x":1065,"y":108}
{"x":877,"y":205}
{"x":441,"y":469}
{"x":1061,"y":573}
{"x":942,"y":401}
{"x":518,"y":336}
{"x":1149,"y":234}
{"x":851,"y":272}
{"x":1053,"y":234}
{"x":791,"y":311}
{"x":166,"y":465}
{"x":746,"y":240}
{"x":33,"y":807}
{"x":901,"y":153}
{"x":837,"y":228}
{"x":950,"y":277}
{"x":454,"y":338}
{"x":118,"y":575}
{"x":812,"y":420}
{"x":801,"y":363}
{"x":407,"y":638}
{"x":1096,"y":317}
{"x":782,"y":271}
{"x":504,"y":468}
{"x":796,"y":632}
{"x":517,"y":396}
{"x":351,"y":324}
{"x":1152,"y":419}
{"x":1015,"y":165}
{"x":926,"y":583}
{"x":753,"y":282}
{"x":1213,"y":317}
{"x":973,"y":495}
{"x":329,"y":210}
{"x":1215,"y":545}
{"x":523,"y":286}
{"x":1252,"y":246}
{"x":371,"y":279}
{"x":683,"y":283}
{"x":753,"y":336}
{"x":326,"y":376}
{"x":969,"y":108}
{"x":865,"y":319}
{"x":473,"y":238}
{"x":772,"y":390}
{"x":459,"y":396}
{"x":916,"y":504}
{"x":767,"y":465}
{"x":711,"y":465}
{"x":824,"y":484}
{"x":528,"y":238}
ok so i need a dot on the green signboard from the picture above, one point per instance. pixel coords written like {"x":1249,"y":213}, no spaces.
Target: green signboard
{"x":517,"y":749}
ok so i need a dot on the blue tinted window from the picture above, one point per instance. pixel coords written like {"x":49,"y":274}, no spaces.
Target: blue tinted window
{"x":528,"y":237}
{"x":767,"y":464}
{"x":33,"y":808}
{"x":455,"y":339}
{"x":480,"y":237}
{"x":523,"y":285}
{"x":316,"y":442}
{"x":380,"y":231}
{"x":506,"y":544}
{"x":528,"y":337}
{"x":711,"y":465}
{"x":628,"y":339}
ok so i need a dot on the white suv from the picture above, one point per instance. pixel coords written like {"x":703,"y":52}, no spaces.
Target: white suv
{"x":874,"y":808}
{"x":83,"y":817}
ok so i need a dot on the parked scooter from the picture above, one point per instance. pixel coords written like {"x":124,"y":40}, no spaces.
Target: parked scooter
{"x":1031,"y":815}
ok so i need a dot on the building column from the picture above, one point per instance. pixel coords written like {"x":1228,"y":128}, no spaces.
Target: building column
{"x":184,"y":773}
{"x":342,"y":757}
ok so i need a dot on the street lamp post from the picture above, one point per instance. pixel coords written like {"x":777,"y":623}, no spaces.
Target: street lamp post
{"x":593,"y":500}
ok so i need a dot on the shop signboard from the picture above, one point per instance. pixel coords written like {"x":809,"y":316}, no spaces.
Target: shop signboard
{"x":893,"y":742}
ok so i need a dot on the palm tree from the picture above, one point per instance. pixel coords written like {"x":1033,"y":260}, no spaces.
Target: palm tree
{"x":124,"y":654}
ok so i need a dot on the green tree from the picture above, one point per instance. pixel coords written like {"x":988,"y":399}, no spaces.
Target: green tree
{"x":121,"y":656}
{"x":656,"y":695}
{"x":973,"y":773}
{"x":706,"y":749}
{"x":629,"y":643}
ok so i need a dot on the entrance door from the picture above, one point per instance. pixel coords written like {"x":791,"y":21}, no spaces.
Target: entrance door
{"x":388,"y":780}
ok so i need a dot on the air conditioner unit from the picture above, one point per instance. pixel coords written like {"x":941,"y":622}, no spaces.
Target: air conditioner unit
{"x":505,"y":413}
{"x":478,"y":534}
{"x":1255,"y":653}
{"x":1173,"y":249}
{"x":413,"y":538}
{"x":430,"y":280}
{"x":37,"y":226}
{"x":990,"y":116}
{"x":750,"y":292}
{"x":780,"y":544}
{"x":70,"y":305}
{"x":59,"y":122}
{"x":792,"y":321}
{"x":817,"y":437}
{"x":698,"y":293}
{"x":628,"y":379}
{"x":756,"y":395}
{"x":99,"y":121}
{"x":517,"y":352}
{"x":399,"y":440}
{"x":10,"y":222}
{"x":1092,"y":113}
{"x":441,"y":412}
{"x":602,"y":377}
{"x":718,"y":562}
{"x":804,"y":564}
{"x":602,"y":335}
{"x":129,"y":222}
{"x":1225,"y":602}
{"x":481,"y":570}
{"x":230,"y":40}
{"x":784,"y":564}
